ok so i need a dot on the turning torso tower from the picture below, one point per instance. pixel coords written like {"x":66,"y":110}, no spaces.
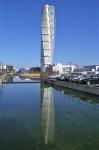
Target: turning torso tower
{"x":48,"y":36}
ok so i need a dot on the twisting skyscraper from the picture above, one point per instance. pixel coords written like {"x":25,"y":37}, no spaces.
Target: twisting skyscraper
{"x":48,"y":36}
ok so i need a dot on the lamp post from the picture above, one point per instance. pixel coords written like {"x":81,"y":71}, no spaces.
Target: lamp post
{"x":70,"y":70}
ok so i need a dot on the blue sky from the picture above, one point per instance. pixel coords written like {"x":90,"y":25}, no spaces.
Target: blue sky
{"x":77,"y":31}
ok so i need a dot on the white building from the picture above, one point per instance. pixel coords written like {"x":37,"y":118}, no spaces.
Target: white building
{"x":69,"y":68}
{"x":3,"y":67}
{"x":6,"y":68}
{"x":58,"y":68}
{"x":48,"y":36}
{"x":62,"y":69}
{"x":97,"y":68}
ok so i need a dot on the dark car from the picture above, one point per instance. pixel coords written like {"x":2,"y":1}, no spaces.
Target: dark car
{"x":83,"y":79}
{"x":77,"y":78}
{"x":69,"y":77}
{"x":90,"y":80}
{"x":61,"y":78}
{"x":93,"y":80}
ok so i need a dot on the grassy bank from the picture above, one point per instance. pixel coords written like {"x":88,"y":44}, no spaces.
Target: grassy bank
{"x":30,"y":75}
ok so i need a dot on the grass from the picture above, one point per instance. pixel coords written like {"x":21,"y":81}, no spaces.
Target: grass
{"x":31,"y":75}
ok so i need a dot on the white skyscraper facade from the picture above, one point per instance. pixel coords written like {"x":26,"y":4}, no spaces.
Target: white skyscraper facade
{"x":48,"y":36}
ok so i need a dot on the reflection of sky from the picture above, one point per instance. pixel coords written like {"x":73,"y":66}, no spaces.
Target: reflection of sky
{"x":20,"y":102}
{"x":19,"y":95}
{"x":19,"y":105}
{"x":77,"y":123}
{"x":65,"y":121}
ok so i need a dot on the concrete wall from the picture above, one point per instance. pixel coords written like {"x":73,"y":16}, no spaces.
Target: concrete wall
{"x":79,"y":87}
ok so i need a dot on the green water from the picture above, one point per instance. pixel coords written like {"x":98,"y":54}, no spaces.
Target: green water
{"x":39,"y":117}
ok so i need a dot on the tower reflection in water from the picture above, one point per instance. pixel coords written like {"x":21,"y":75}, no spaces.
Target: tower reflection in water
{"x":47,"y":114}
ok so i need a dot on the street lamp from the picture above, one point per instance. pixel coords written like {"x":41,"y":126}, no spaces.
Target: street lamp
{"x":70,"y":70}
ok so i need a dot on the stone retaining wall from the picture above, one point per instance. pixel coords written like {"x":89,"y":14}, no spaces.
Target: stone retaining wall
{"x":79,"y":87}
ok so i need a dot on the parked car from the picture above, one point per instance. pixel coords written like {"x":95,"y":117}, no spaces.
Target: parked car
{"x":79,"y":79}
{"x":75,"y":78}
{"x":90,"y":80}
{"x":93,"y":80}
{"x":61,"y":78}
{"x":83,"y":79}
{"x":69,"y":77}
{"x":54,"y":76}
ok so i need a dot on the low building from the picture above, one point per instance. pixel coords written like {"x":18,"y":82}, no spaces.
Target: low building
{"x":1,"y":66}
{"x":23,"y":70}
{"x":9,"y":68}
{"x":69,"y":68}
{"x":91,"y":68}
{"x":61,"y":69}
{"x":58,"y":68}
{"x":6,"y":68}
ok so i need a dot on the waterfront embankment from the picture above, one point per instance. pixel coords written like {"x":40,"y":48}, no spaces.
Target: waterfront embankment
{"x":79,"y":87}
{"x":30,"y":75}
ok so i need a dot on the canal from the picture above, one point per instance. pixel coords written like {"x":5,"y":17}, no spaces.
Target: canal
{"x":40,"y":117}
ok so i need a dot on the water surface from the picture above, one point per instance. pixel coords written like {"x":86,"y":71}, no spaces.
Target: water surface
{"x":39,"y":117}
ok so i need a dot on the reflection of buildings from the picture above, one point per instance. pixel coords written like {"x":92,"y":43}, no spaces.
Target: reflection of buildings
{"x":47,"y":114}
{"x":9,"y":79}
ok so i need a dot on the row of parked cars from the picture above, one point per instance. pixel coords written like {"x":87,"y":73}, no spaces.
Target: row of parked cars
{"x":78,"y":78}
